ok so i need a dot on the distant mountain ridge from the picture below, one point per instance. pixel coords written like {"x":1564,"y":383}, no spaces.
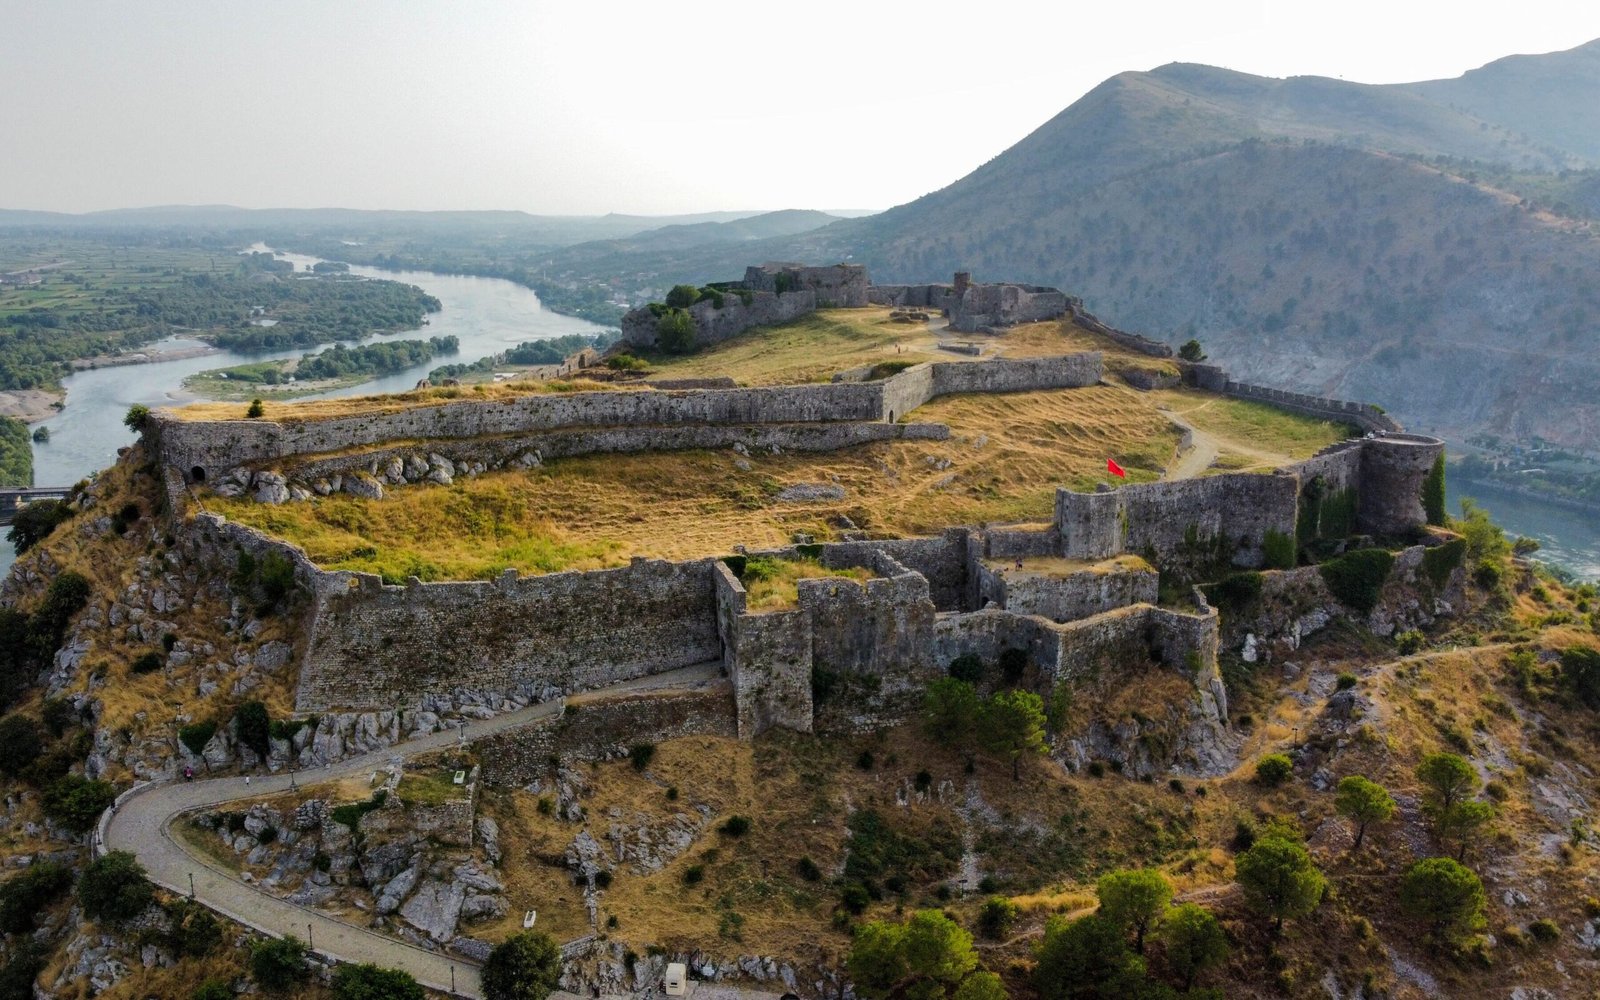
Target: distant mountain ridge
{"x":1391,"y":242}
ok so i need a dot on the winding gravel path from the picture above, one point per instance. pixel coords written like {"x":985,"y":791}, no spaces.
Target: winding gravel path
{"x":142,"y":823}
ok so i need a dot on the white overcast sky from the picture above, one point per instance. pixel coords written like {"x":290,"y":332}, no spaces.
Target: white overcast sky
{"x":592,"y":106}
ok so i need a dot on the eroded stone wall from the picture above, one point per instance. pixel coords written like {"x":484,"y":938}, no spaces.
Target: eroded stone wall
{"x":1068,"y":597}
{"x":382,"y":646}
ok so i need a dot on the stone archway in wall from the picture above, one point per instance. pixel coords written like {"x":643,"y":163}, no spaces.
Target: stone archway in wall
{"x":197,"y":474}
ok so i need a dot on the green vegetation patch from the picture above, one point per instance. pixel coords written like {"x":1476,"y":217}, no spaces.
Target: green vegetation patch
{"x":1357,"y":578}
{"x":16,"y":453}
{"x":1441,"y":560}
{"x":430,"y":788}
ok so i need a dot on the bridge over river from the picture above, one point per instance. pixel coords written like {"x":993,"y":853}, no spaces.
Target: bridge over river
{"x":12,"y":498}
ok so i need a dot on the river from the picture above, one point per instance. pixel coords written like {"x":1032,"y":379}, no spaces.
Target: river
{"x":487,"y":315}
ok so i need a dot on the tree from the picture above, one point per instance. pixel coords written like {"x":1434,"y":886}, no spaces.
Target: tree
{"x":1191,"y":351}
{"x":1580,"y":672}
{"x":925,"y":958}
{"x":20,"y":744}
{"x":1086,"y":959}
{"x":996,"y":916}
{"x":1194,"y":941}
{"x":1445,"y":896}
{"x":1279,"y":879}
{"x":137,"y":417}
{"x":279,"y":964}
{"x":114,"y":887}
{"x":370,"y":982}
{"x":34,"y":521}
{"x":1433,"y":493}
{"x":950,"y":710}
{"x":77,"y":802}
{"x":255,"y":409}
{"x":1464,"y":822}
{"x":254,"y":727}
{"x":1447,"y":778}
{"x":675,"y":332}
{"x":1012,"y":724}
{"x":682,"y":296}
{"x":1363,"y":802}
{"x":1135,"y":899}
{"x":524,"y":966}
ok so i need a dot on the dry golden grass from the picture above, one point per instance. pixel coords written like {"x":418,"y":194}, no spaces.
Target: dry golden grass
{"x":344,"y":406}
{"x":1005,"y":459}
{"x":144,"y":705}
{"x":1058,"y":566}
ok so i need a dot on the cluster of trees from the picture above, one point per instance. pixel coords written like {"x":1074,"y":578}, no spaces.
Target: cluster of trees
{"x":1009,"y":723}
{"x":36,"y":345}
{"x":29,"y":640}
{"x":381,"y":358}
{"x":532,"y":352}
{"x":16,"y":453}
{"x":1103,"y":955}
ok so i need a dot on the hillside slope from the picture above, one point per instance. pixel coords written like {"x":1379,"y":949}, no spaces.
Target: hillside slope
{"x":1314,"y":234}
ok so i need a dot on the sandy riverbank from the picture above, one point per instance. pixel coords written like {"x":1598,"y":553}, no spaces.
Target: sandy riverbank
{"x":30,"y":405}
{"x":145,"y":357}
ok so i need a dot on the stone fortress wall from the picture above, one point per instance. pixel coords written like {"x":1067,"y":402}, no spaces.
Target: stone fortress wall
{"x":495,"y":433}
{"x":770,"y":293}
{"x":487,"y":646}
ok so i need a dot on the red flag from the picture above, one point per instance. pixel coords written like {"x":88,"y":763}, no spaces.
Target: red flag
{"x":1115,"y":469}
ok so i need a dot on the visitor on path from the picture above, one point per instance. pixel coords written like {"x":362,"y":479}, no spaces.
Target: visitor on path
{"x":188,"y":773}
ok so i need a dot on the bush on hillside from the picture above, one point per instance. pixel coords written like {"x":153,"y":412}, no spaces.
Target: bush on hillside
{"x":77,"y":802}
{"x":279,"y":964}
{"x":24,"y":896}
{"x":1357,"y":578}
{"x":114,"y":888}
{"x":20,"y":743}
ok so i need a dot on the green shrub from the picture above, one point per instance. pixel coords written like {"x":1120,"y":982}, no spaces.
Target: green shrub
{"x":1357,"y":578}
{"x":196,"y":735}
{"x":996,"y":917}
{"x":626,"y":363}
{"x":369,"y":982}
{"x":350,"y":813}
{"x":855,"y":898}
{"x":682,"y":296}
{"x":76,"y":802}
{"x":1278,"y":549}
{"x":967,"y":667}
{"x":253,"y":727}
{"x":1441,"y":560}
{"x":1234,"y":593}
{"x":1274,"y":769}
{"x":675,"y":332}
{"x":213,"y":989}
{"x":808,"y":870}
{"x":1345,"y":682}
{"x":137,"y":417}
{"x":865,"y":761}
{"x":114,"y":888}
{"x":694,"y":874}
{"x":736,"y":826}
{"x":1409,"y":642}
{"x":279,"y":964}
{"x":1545,"y":931}
{"x":24,"y":897}
{"x":641,"y":754}
{"x":602,"y":879}
{"x":33,"y":522}
{"x":146,"y":663}
{"x":1433,"y":492}
{"x":255,"y":409}
{"x":20,"y":744}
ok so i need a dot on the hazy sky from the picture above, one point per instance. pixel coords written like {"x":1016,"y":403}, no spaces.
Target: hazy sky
{"x":591,"y":106}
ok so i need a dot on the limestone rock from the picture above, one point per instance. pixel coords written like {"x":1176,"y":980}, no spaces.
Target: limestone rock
{"x":489,"y":837}
{"x":362,"y":485}
{"x":435,"y":909}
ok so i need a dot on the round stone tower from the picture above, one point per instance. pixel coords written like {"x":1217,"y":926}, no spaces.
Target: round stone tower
{"x":1393,"y":469}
